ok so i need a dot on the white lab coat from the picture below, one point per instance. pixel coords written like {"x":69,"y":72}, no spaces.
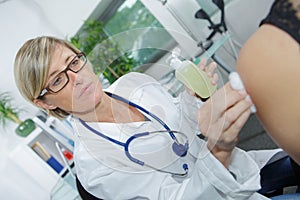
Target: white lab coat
{"x":104,"y":170}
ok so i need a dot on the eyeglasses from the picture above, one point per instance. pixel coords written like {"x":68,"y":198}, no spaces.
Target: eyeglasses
{"x":62,"y":78}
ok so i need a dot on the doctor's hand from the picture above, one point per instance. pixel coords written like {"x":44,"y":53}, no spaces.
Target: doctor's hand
{"x":221,"y":118}
{"x":210,"y":71}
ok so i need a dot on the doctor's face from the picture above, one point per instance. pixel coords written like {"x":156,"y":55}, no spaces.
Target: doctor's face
{"x":71,"y":83}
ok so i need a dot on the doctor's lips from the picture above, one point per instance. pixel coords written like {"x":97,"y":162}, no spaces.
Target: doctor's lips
{"x":84,"y":89}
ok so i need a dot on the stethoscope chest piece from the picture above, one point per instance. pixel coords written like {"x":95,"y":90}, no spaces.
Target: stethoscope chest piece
{"x":180,"y":149}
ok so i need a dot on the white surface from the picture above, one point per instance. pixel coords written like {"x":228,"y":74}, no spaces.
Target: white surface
{"x":21,"y":20}
{"x":26,"y":173}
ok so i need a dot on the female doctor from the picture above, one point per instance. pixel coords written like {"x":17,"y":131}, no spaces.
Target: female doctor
{"x":134,"y":140}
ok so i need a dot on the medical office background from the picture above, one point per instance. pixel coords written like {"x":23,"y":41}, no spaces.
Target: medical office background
{"x":21,"y":20}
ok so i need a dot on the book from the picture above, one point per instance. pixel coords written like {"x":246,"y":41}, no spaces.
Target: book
{"x":47,"y":157}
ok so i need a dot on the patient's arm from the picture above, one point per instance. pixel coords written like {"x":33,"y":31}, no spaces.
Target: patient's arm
{"x":269,"y":65}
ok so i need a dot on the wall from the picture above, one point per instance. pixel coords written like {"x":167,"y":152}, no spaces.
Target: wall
{"x":21,"y":20}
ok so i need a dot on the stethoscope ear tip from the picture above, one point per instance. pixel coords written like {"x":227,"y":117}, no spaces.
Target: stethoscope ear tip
{"x":185,"y":167}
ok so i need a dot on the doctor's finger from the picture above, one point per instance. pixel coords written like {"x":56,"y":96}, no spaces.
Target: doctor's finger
{"x":215,"y":79}
{"x":202,"y":64}
{"x":232,"y":96}
{"x":235,"y":112}
{"x":229,"y":138}
{"x":210,"y":70}
{"x":234,"y":129}
{"x":223,"y":99}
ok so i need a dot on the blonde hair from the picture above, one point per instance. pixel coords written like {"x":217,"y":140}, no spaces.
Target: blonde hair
{"x":31,"y":68}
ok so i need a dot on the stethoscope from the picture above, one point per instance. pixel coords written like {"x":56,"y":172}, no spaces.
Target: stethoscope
{"x":178,"y":148}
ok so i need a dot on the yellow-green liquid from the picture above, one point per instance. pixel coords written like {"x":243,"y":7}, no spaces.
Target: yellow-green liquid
{"x":195,"y":79}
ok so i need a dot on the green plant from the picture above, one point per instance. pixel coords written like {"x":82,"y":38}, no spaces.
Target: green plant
{"x":11,"y":113}
{"x":104,"y":53}
{"x":7,"y":111}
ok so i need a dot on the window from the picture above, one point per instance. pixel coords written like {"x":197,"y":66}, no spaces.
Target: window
{"x":209,"y":7}
{"x":125,"y":37}
{"x":143,"y":36}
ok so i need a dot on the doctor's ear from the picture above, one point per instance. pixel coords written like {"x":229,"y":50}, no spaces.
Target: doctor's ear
{"x":42,"y":104}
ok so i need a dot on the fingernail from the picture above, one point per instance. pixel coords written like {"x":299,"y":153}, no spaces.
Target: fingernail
{"x":202,"y":67}
{"x":209,"y":74}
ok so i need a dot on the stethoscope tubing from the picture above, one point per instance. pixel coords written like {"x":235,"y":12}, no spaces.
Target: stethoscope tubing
{"x":138,"y":135}
{"x":145,"y":111}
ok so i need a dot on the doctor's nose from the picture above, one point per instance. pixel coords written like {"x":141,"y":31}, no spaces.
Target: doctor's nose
{"x":75,"y":78}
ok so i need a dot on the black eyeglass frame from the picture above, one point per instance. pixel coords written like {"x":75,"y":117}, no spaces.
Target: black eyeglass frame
{"x":47,"y":89}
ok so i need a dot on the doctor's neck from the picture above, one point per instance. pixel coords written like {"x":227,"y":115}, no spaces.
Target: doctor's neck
{"x":110,"y":110}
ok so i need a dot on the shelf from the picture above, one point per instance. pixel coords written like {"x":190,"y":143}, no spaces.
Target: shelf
{"x":54,"y":135}
{"x":36,"y":167}
{"x":33,"y":166}
{"x":45,"y":138}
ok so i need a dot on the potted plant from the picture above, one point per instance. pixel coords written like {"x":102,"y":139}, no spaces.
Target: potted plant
{"x":11,"y":113}
{"x":103,"y":52}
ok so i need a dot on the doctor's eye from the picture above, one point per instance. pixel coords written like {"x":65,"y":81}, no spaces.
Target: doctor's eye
{"x":74,"y":63}
{"x":58,"y":80}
